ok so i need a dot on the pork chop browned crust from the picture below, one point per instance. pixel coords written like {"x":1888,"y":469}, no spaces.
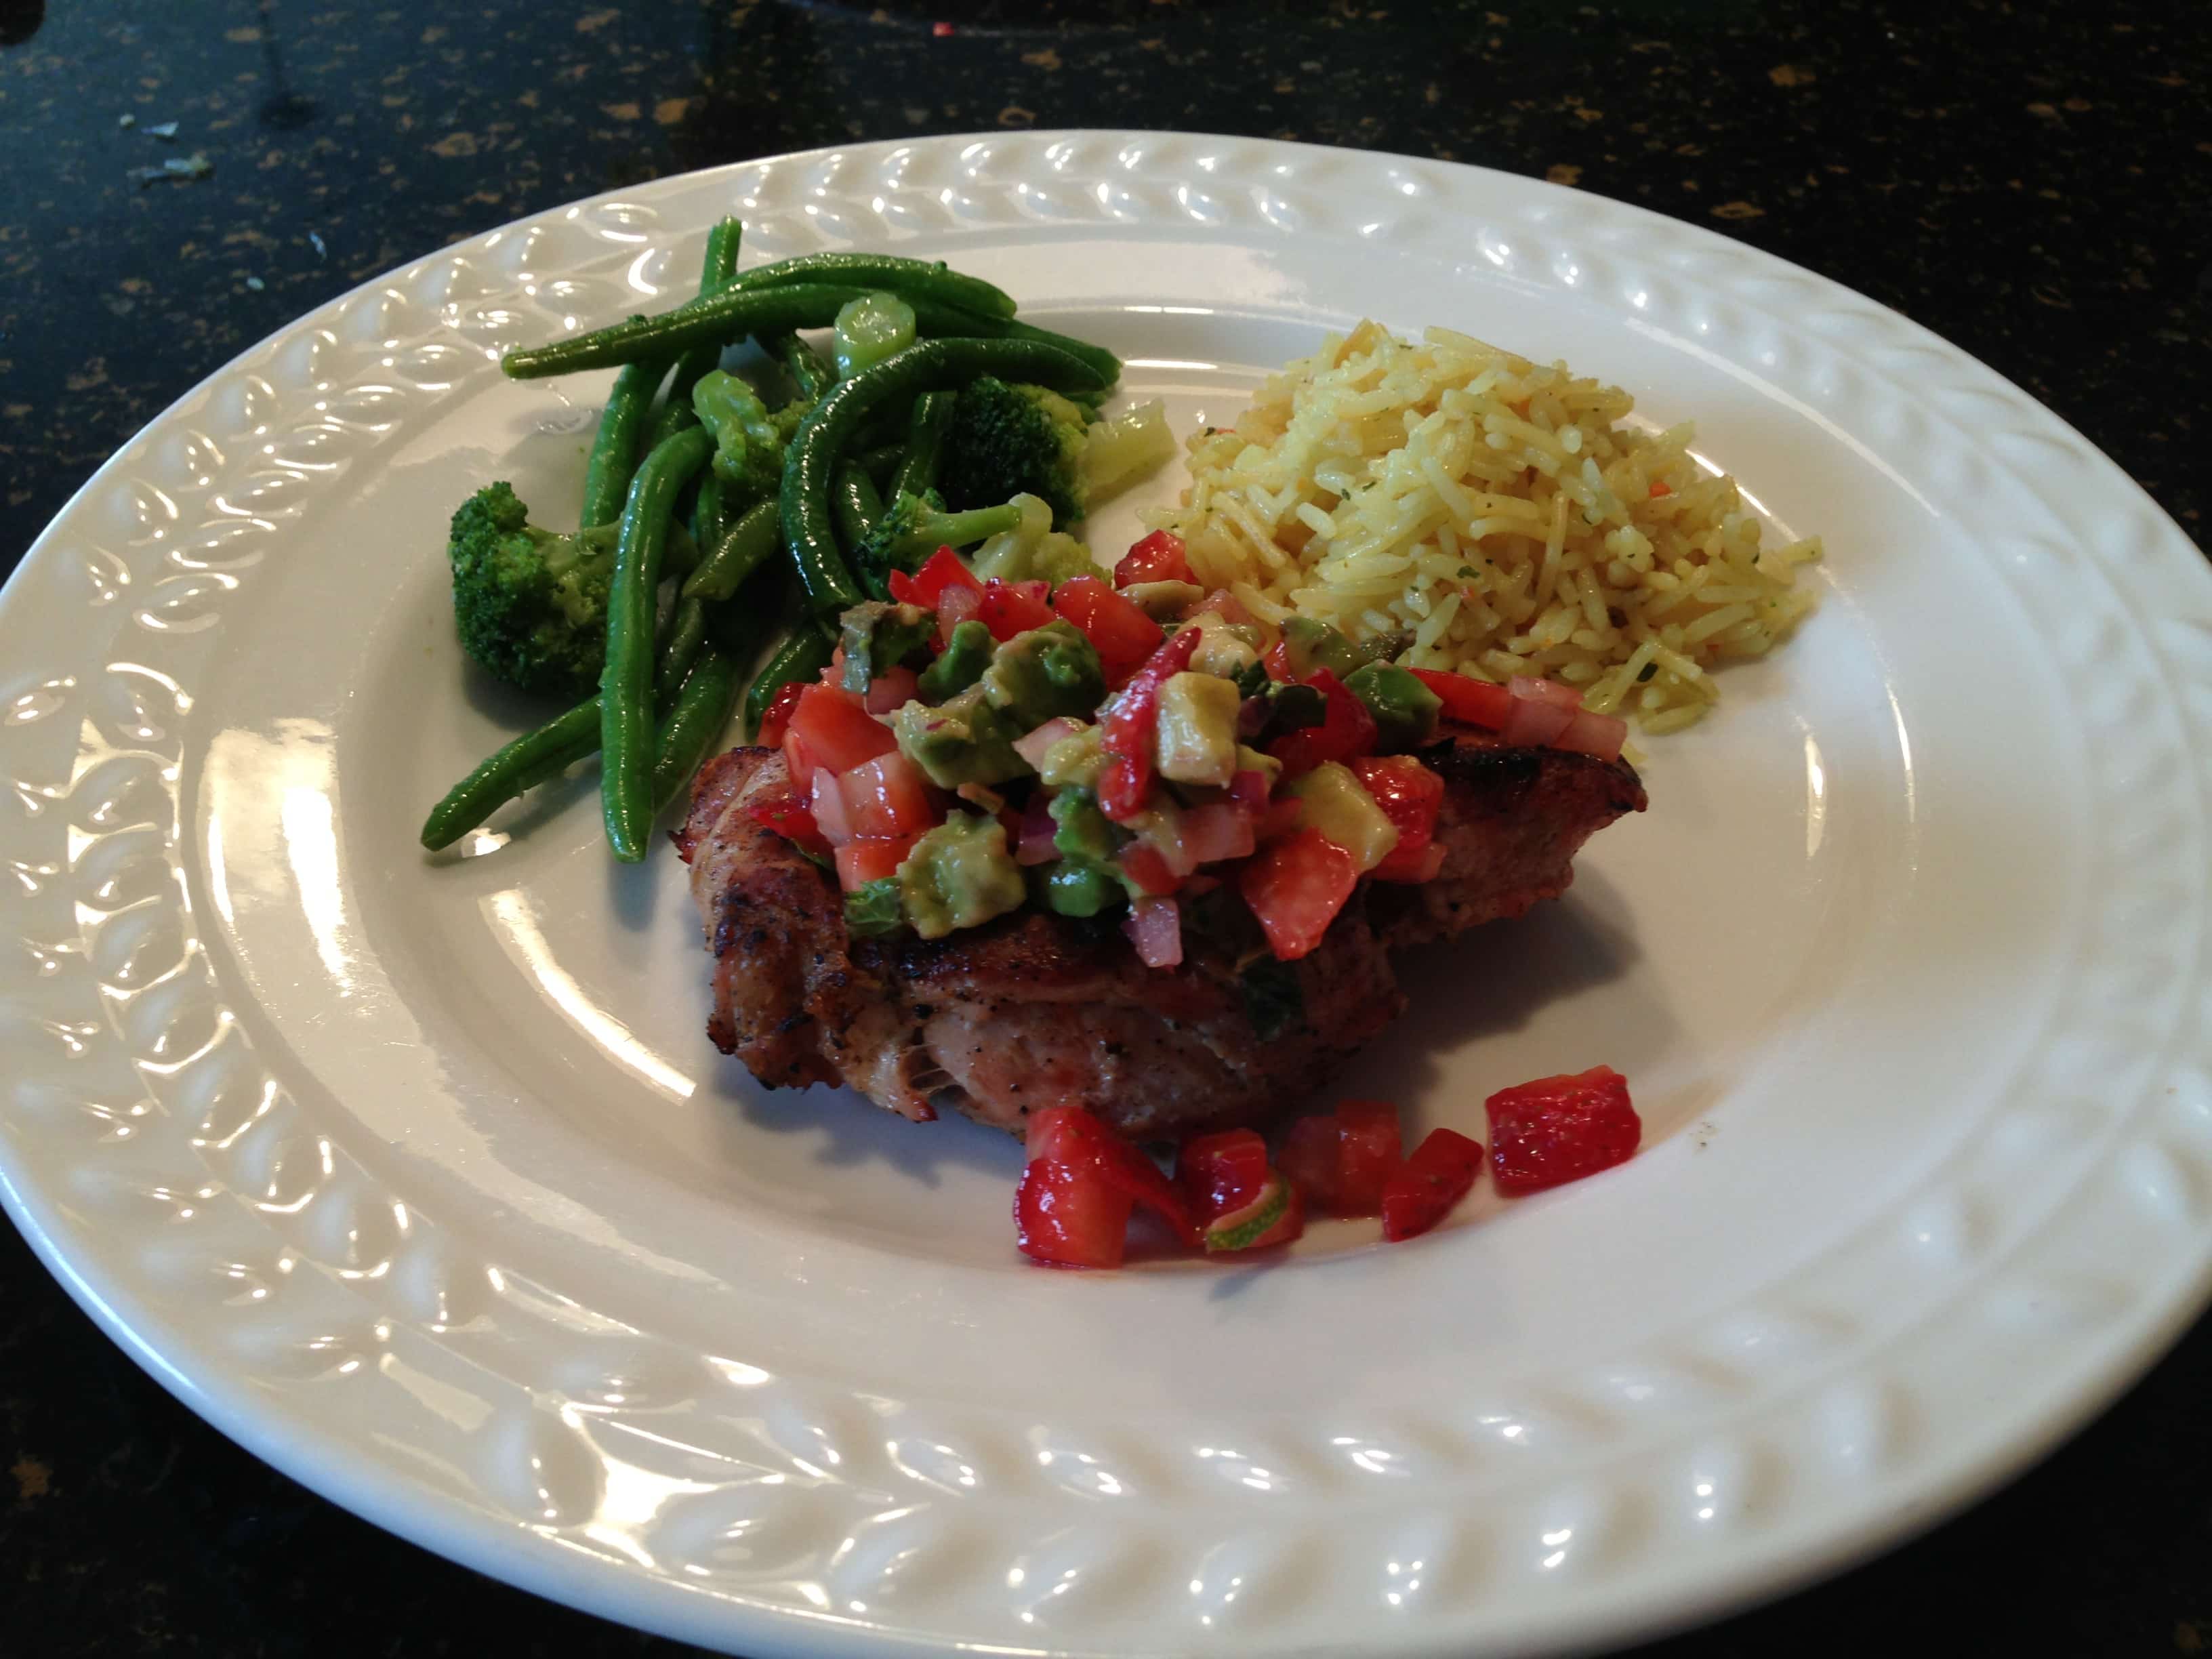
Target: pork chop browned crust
{"x":1037,"y":1009}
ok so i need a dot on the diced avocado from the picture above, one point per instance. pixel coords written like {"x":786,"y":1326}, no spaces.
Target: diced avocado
{"x":875,"y":909}
{"x":1341,"y":809}
{"x":1385,"y":647}
{"x":1405,"y":710}
{"x":1311,"y":645}
{"x":1196,"y":739}
{"x":960,"y":875}
{"x":1075,"y":761}
{"x":1077,"y":887}
{"x":963,"y":740}
{"x":878,"y":636}
{"x":1044,"y":674}
{"x":1224,"y":654}
{"x":960,"y":664}
{"x":1161,"y":600}
{"x":1085,"y":832}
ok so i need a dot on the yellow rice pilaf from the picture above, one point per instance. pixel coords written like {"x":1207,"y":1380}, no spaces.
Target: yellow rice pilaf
{"x":1499,"y":511}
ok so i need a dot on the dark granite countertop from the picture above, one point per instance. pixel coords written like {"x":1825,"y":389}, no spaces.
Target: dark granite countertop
{"x":2030,"y":181}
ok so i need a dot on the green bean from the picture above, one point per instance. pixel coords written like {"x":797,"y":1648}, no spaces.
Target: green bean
{"x":674,"y":417}
{"x":890,"y":271}
{"x":698,"y":716}
{"x":810,"y":375}
{"x":881,"y":466}
{"x":856,"y":504}
{"x":951,"y":322}
{"x":925,"y":445}
{"x":805,"y":652}
{"x":687,"y":633}
{"x":708,"y":521}
{"x":810,"y":463}
{"x":729,"y":316}
{"x":716,"y":273}
{"x":520,"y":765}
{"x":737,"y":555}
{"x":739,"y":311}
{"x":626,"y":682}
{"x":694,"y":720}
{"x":719,"y":268}
{"x":614,"y":448}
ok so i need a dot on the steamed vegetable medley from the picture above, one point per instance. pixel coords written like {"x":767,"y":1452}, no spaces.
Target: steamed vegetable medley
{"x":784,"y":448}
{"x":1011,"y":728}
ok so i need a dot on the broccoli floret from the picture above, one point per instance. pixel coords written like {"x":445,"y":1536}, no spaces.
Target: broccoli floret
{"x":1032,"y":551}
{"x":531,"y":603}
{"x":749,"y":441}
{"x":1008,"y":439}
{"x":914,"y":526}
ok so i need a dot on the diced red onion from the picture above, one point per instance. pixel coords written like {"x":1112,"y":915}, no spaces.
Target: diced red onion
{"x":1037,"y":830}
{"x":1224,"y":605}
{"x":1248,"y":789}
{"x":1031,"y":746}
{"x":1600,"y":735}
{"x":956,"y":604}
{"x":1252,"y":717}
{"x":1534,"y":722}
{"x":827,"y":803}
{"x":1154,"y":925}
{"x":1218,"y":832}
{"x":1547,"y":691}
{"x":892,"y":689}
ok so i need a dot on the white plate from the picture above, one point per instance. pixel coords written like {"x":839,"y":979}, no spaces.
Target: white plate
{"x":418,"y":1177}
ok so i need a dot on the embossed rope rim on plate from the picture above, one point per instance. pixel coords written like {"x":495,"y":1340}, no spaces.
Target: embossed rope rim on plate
{"x":139,"y":1132}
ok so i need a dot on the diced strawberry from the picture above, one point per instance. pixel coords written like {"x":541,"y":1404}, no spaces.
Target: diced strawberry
{"x":1127,"y":725}
{"x":1346,"y":731}
{"x":836,"y":730}
{"x":1146,"y":865}
{"x":1368,"y":1152}
{"x":793,"y":823}
{"x":871,"y":859}
{"x":888,"y":797}
{"x":1558,"y":1129}
{"x":1066,"y":1215}
{"x":1294,"y":887}
{"x":1011,"y":608}
{"x":1410,"y":795}
{"x":1469,"y":702}
{"x":1310,"y":1156}
{"x":1426,"y":1185}
{"x":777,"y":718}
{"x":1122,"y":635}
{"x":943,"y":572}
{"x":1158,"y":558}
{"x":1219,"y":1173}
{"x":1068,"y":1137}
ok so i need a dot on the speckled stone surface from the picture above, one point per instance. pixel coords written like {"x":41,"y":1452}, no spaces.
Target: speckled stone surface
{"x":2033,"y":182}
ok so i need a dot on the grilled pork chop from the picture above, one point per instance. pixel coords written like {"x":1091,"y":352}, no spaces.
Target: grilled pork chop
{"x":1036,"y":1008}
